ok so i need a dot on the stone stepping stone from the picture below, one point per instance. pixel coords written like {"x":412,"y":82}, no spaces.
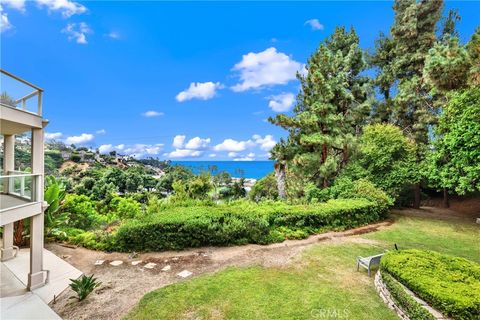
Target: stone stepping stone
{"x":185,"y":274}
{"x":99,"y":262}
{"x":166,"y":268}
{"x":150,"y":265}
{"x":116,"y":263}
{"x":134,"y":263}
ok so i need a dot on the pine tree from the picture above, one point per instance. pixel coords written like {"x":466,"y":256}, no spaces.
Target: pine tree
{"x":382,"y":60}
{"x":473,"y":48}
{"x":414,"y":33}
{"x":331,"y":107}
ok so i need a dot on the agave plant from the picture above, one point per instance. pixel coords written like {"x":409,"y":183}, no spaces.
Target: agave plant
{"x":84,"y":285}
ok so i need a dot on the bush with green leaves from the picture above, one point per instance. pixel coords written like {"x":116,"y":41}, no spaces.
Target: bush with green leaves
{"x":409,"y":305}
{"x":386,"y":158}
{"x":125,"y":208}
{"x":344,"y":188}
{"x":315,"y":194}
{"x":265,"y":188}
{"x":241,"y":222}
{"x":455,"y":162}
{"x":81,"y":210}
{"x":449,"y":284}
{"x":84,"y":285}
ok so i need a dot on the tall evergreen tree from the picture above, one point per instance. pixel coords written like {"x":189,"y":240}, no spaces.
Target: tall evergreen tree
{"x":414,"y":33}
{"x":382,"y":60}
{"x":331,"y":107}
{"x":449,"y":25}
{"x":473,"y":48}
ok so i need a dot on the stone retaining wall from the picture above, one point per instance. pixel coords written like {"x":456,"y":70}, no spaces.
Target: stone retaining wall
{"x":388,"y":299}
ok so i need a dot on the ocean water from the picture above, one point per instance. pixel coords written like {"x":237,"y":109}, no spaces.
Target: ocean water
{"x":245,"y":169}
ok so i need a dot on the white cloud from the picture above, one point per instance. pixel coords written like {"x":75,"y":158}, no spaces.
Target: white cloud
{"x":266,"y":143}
{"x":113,"y":35}
{"x":152,"y":113}
{"x":197,"y":143}
{"x":178,"y":141}
{"x":232,"y":154}
{"x":66,"y":7}
{"x":314,"y":24}
{"x":233,"y":145}
{"x":81,"y":139}
{"x":53,"y":135}
{"x":199,"y":90}
{"x":77,"y":32}
{"x":140,"y":150}
{"x":265,"y":68}
{"x":4,"y":22}
{"x":248,"y":157}
{"x":101,"y":131}
{"x":281,"y":102}
{"x":105,"y":148}
{"x":15,"y":4}
{"x":212,"y":155}
{"x":184,"y":153}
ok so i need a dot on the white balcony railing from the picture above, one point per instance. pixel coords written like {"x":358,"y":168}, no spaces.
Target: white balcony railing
{"x":19,"y":188}
{"x":23,"y":102}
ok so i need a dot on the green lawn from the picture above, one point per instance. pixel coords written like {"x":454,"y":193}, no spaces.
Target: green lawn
{"x":321,"y":284}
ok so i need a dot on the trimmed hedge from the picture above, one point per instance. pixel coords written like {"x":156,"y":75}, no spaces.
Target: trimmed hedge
{"x":241,"y":223}
{"x":410,"y":306}
{"x":449,"y":284}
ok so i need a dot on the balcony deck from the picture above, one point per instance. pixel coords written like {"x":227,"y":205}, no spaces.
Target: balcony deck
{"x":14,"y":208}
{"x":9,"y":201}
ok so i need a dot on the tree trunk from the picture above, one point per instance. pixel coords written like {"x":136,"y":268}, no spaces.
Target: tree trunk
{"x":18,"y":233}
{"x":280,"y":175}
{"x":446,"y":203}
{"x":416,"y":195}
{"x":324,"y":159}
{"x":345,"y":156}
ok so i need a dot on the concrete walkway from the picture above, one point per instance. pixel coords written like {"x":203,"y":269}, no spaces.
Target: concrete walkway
{"x":18,"y":303}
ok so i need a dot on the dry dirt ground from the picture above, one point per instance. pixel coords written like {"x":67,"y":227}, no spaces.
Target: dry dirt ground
{"x":123,"y":286}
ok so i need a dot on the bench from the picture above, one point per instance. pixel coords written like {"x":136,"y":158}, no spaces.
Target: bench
{"x":368,"y":262}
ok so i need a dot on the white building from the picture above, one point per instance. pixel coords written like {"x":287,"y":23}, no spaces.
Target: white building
{"x":26,"y":273}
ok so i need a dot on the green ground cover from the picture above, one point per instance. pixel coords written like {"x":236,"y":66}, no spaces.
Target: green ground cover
{"x":321,"y":284}
{"x":450,"y":284}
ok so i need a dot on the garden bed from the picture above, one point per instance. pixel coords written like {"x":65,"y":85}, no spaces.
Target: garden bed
{"x":449,"y":284}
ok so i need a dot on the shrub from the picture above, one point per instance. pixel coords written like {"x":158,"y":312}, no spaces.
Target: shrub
{"x":84,"y":285}
{"x":386,"y":158}
{"x":125,"y":208}
{"x":410,"y":306}
{"x":81,"y":210}
{"x":241,"y":222}
{"x":450,"y":284}
{"x":265,"y":188}
{"x":315,"y":194}
{"x":346,"y":189}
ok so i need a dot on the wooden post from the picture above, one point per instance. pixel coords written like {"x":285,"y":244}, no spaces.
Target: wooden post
{"x":8,"y":165}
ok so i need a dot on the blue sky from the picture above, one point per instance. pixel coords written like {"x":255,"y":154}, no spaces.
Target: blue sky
{"x":177,"y":80}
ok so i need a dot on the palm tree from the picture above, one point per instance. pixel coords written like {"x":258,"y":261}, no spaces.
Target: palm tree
{"x":281,"y":154}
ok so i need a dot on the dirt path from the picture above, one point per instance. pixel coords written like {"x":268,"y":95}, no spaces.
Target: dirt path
{"x":124,"y":285}
{"x":441,"y":213}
